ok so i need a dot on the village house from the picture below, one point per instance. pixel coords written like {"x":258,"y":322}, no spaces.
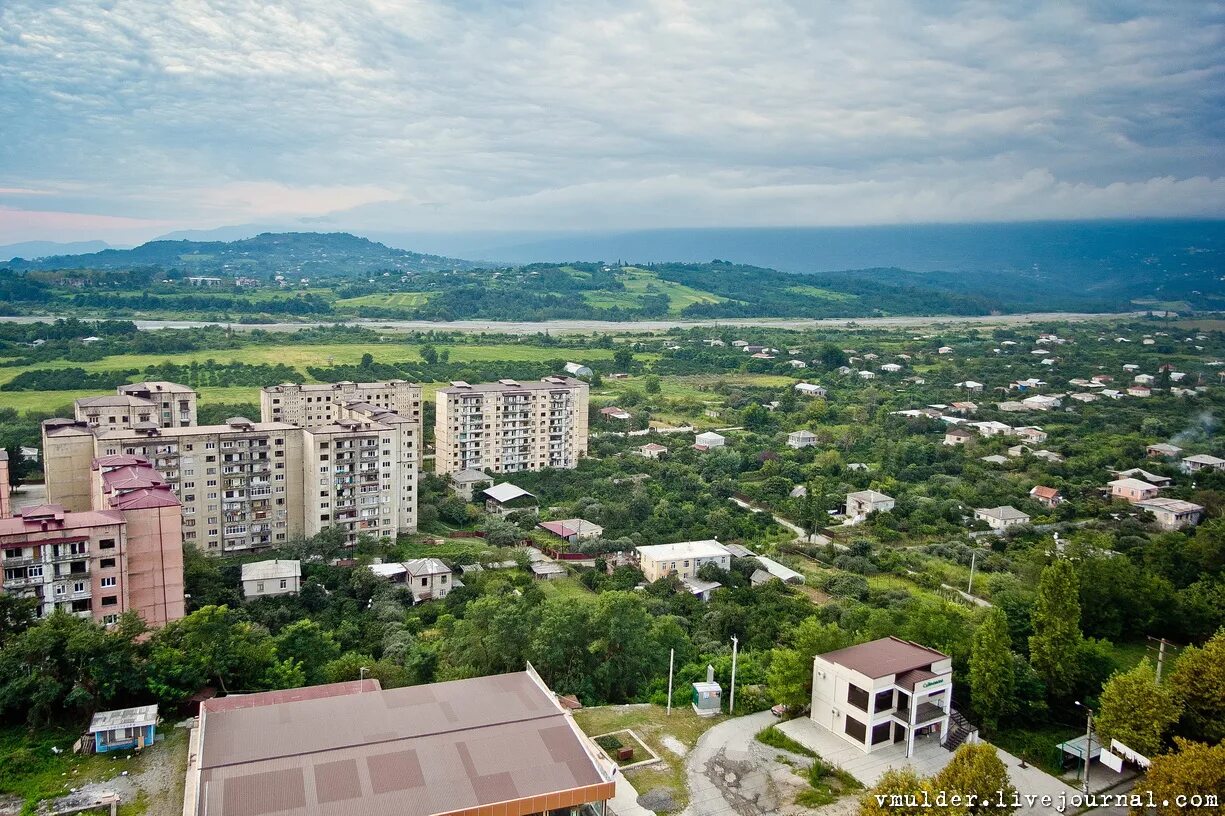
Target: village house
{"x":1041,"y":402}
{"x":1012,"y":406}
{"x":1144,"y":476}
{"x":507,"y":498}
{"x":429,"y":579}
{"x":1049,"y":456}
{"x":1048,"y":497}
{"x":1132,"y":490}
{"x":1031,"y":434}
{"x":465,"y":482}
{"x":708,"y":440}
{"x":1172,"y":514}
{"x":944,"y":350}
{"x":1139,"y":391}
{"x":863,"y":502}
{"x":1201,"y":461}
{"x":885,"y":691}
{"x":1019,"y":450}
{"x":963,"y":408}
{"x":992,"y":428}
{"x":1162,"y":450}
{"x":652,"y":450}
{"x":1001,"y":518}
{"x":970,"y":385}
{"x":801,"y":439}
{"x":614,"y":412}
{"x":891,"y":368}
{"x":573,"y":530}
{"x":1084,"y":397}
{"x":797,"y":364}
{"x":958,"y":436}
{"x":266,"y":578}
{"x":683,"y":558}
{"x":994,"y":459}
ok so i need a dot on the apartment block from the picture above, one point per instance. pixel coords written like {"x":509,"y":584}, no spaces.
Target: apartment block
{"x":124,"y":554}
{"x":176,"y":404}
{"x":322,"y":403}
{"x":508,"y":426}
{"x":6,"y":507}
{"x":155,"y":404}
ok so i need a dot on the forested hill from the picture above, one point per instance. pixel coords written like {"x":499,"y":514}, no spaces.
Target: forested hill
{"x":300,"y":254}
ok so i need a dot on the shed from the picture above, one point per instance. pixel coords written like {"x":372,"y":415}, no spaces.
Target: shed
{"x":123,"y":729}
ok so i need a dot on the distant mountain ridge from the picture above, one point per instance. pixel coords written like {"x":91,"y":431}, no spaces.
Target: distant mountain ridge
{"x":40,"y":249}
{"x":293,"y":253}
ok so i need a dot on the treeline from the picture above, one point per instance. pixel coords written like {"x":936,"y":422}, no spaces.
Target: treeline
{"x":221,"y":375}
{"x":440,"y":371}
{"x":68,"y":379}
{"x":301,"y":304}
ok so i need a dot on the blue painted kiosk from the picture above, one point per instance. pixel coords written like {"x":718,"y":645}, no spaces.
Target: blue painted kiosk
{"x":123,"y":729}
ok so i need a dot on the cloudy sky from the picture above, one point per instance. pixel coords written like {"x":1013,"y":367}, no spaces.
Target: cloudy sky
{"x":125,"y":119}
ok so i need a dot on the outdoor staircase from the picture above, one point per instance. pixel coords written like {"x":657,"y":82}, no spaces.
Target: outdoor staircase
{"x":960,"y":731}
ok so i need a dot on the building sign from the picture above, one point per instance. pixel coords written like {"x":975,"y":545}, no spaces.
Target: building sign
{"x":935,"y":681}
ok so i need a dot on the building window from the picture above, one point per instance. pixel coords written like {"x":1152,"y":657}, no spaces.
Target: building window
{"x":884,"y":701}
{"x":107,"y":582}
{"x":106,"y":544}
{"x":857,"y":697}
{"x":880,"y":733}
{"x":110,"y":600}
{"x":259,"y":586}
{"x":107,"y":563}
{"x":110,"y":619}
{"x":854,"y":728}
{"x":284,"y":584}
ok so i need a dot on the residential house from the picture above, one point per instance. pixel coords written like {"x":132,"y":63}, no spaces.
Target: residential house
{"x":797,"y":364}
{"x":1144,"y":379}
{"x":891,"y":368}
{"x":1143,"y":475}
{"x":971,"y":385}
{"x":123,"y":729}
{"x":780,"y":571}
{"x":652,"y":450}
{"x":614,"y":412}
{"x":1172,"y":514}
{"x":881,"y":692}
{"x":1162,"y":450}
{"x":992,"y":428}
{"x":429,"y":579}
{"x":1048,"y":497}
{"x":573,"y":530}
{"x":810,"y":389}
{"x":995,"y":459}
{"x":944,"y":350}
{"x":1031,"y":434}
{"x":708,"y":440}
{"x":1012,"y":406}
{"x":1201,"y":461}
{"x":1001,"y":518}
{"x":465,"y":482}
{"x":464,"y":747}
{"x":1049,"y":456}
{"x":683,"y":558}
{"x":275,"y":577}
{"x":1019,"y":450}
{"x":958,"y":436}
{"x":863,"y":502}
{"x":867,"y":375}
{"x":1132,"y":490}
{"x":801,"y":439}
{"x":1041,"y":402}
{"x":508,"y":498}
{"x":963,"y":408}
{"x":1084,"y":397}
{"x":1139,"y":391}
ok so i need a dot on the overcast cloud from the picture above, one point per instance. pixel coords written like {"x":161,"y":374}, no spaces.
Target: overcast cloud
{"x":124,"y":119}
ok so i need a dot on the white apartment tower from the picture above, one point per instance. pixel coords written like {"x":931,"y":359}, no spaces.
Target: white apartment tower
{"x":509,"y":426}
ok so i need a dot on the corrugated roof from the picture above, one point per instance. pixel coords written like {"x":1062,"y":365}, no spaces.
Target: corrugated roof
{"x":505,"y":492}
{"x":270,"y":570}
{"x":413,"y":751}
{"x":135,"y":717}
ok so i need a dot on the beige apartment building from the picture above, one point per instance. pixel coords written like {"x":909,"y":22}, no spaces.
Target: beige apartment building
{"x":125,"y":553}
{"x":246,"y":485}
{"x":509,"y":426}
{"x":140,"y":405}
{"x":321,"y":403}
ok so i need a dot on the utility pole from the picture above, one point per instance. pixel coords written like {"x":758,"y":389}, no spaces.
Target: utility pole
{"x":1160,"y":654}
{"x":671,"y":658}
{"x":973,"y":558}
{"x":731,"y":705}
{"x":1088,"y":745}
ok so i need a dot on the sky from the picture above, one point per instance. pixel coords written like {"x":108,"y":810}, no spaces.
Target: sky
{"x":125,"y":119}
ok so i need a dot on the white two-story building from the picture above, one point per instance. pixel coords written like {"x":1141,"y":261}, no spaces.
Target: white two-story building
{"x":886,"y":691}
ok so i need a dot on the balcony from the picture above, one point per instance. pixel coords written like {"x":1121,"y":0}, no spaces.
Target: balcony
{"x":19,"y":561}
{"x":925,"y":713}
{"x":18,"y":583}
{"x":65,"y":555}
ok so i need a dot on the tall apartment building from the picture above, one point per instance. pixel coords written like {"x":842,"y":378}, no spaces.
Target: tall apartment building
{"x":365,"y":465}
{"x":140,"y":405}
{"x":6,"y":507}
{"x":123,"y":554}
{"x":247,"y":485}
{"x":508,"y":426}
{"x":321,"y":403}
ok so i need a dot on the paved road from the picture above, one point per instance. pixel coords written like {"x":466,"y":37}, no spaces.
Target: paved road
{"x":589,"y":326}
{"x":732,"y":740}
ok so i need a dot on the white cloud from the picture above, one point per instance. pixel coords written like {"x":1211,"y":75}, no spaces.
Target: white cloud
{"x":423,"y":114}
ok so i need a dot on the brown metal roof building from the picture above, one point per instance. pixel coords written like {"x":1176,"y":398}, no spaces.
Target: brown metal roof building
{"x":488,"y":746}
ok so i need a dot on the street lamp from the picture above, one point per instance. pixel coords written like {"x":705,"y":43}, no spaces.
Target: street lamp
{"x":1088,"y":744}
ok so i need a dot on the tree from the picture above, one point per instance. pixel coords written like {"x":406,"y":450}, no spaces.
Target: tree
{"x":559,"y":647}
{"x":755,"y":417}
{"x":1194,"y":769}
{"x":211,"y":645}
{"x":309,"y":644}
{"x":1136,"y":711}
{"x":624,"y":654}
{"x":1198,"y":683}
{"x":651,"y":384}
{"x":789,"y":678}
{"x":623,"y":358}
{"x":17,"y":614}
{"x":367,"y":360}
{"x":992,"y":682}
{"x":977,"y":771}
{"x":429,"y":354}
{"x":1054,"y":647}
{"x":902,"y":792}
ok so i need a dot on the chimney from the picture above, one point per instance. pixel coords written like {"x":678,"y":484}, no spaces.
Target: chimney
{"x":710,"y":673}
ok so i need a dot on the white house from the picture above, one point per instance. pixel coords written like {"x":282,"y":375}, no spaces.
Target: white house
{"x":801,"y":439}
{"x":428,"y":578}
{"x":862,"y":502}
{"x":278,"y":577}
{"x":1172,"y":514}
{"x":992,"y":428}
{"x":885,"y":691}
{"x":1041,"y":402}
{"x":465,"y":481}
{"x":957,"y":436}
{"x":1162,"y":450}
{"x":708,"y":440}
{"x":684,"y":558}
{"x":652,"y":450}
{"x":1031,"y":434}
{"x":507,"y":498}
{"x":891,"y":368}
{"x":1001,"y":518}
{"x":945,"y":350}
{"x":1201,"y":461}
{"x":797,"y":364}
{"x":970,"y":385}
{"x":810,"y":389}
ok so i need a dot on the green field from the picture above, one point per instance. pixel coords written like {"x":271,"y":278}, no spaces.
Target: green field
{"x":390,"y":300}
{"x":823,"y":294}
{"x":639,"y":282}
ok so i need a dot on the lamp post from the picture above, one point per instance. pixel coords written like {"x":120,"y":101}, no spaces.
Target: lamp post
{"x":731,"y":705}
{"x":1088,"y":744}
{"x":362,"y":678}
